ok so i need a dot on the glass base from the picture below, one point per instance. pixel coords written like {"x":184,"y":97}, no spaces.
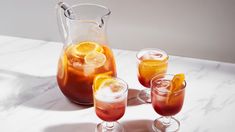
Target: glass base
{"x":144,"y":95}
{"x":160,"y":126}
{"x":103,"y":127}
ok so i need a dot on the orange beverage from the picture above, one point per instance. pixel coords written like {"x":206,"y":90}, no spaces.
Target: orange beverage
{"x":78,"y":66}
{"x":164,"y":102}
{"x":151,"y":62}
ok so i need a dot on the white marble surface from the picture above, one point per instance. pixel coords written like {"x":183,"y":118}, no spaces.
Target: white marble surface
{"x":30,"y":100}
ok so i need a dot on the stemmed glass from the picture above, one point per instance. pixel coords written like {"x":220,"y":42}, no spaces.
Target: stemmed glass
{"x":166,"y":102}
{"x":151,"y":62}
{"x":110,"y":102}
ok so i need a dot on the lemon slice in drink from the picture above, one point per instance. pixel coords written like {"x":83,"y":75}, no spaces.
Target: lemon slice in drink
{"x":87,"y":47}
{"x":95,"y":58}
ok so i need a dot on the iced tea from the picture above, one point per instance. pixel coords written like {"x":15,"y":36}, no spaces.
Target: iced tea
{"x":78,"y":66}
{"x":151,"y":62}
{"x":164,"y":102}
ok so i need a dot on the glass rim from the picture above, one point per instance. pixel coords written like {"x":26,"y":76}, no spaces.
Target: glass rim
{"x":156,"y":89}
{"x":146,"y":49}
{"x":88,"y":4}
{"x":122,"y":82}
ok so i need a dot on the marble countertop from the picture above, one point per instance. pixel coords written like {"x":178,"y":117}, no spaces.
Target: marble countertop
{"x":30,"y":100}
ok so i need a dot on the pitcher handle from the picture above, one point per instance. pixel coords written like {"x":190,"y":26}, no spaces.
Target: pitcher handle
{"x":63,"y":29}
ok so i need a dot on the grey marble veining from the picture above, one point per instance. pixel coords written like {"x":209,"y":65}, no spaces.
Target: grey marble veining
{"x":30,"y":99}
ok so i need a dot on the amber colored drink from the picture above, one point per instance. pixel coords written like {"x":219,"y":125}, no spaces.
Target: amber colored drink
{"x":164,"y":102}
{"x":78,"y":66}
{"x":151,"y":63}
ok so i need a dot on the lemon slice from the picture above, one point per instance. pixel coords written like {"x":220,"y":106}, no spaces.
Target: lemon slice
{"x":86,"y":47}
{"x":95,"y":58}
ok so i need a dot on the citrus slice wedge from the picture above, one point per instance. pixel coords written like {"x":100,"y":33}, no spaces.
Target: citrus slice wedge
{"x":99,"y":80}
{"x":86,"y":47}
{"x":176,"y":84}
{"x":62,"y":69}
{"x":95,"y":58}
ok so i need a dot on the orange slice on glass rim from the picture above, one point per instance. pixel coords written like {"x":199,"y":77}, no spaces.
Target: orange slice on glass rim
{"x":176,"y":84}
{"x":102,"y":80}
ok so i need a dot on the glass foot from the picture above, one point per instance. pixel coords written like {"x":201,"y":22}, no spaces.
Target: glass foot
{"x":160,"y":126}
{"x":103,"y":127}
{"x":144,"y":96}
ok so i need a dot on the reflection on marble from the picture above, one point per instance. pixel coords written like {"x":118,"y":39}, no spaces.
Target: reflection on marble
{"x":31,"y":101}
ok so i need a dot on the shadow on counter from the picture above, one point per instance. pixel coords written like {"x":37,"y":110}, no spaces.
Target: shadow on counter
{"x":138,"y":126}
{"x":132,"y":97}
{"x":129,"y":126}
{"x":19,"y":89}
{"x":79,"y":127}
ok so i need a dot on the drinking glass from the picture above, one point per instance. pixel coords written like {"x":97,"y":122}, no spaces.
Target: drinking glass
{"x":110,"y":102}
{"x":151,"y":62}
{"x":166,"y":102}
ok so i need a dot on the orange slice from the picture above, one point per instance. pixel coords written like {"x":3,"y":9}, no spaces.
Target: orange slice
{"x":62,"y":69}
{"x":177,"y":82}
{"x":87,"y":47}
{"x":95,"y":58}
{"x":102,"y":80}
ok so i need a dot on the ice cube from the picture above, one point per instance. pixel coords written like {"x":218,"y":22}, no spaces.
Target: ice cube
{"x":77,"y":65}
{"x":162,"y":85}
{"x":111,"y":93}
{"x":88,"y":69}
{"x":95,"y":58}
{"x":154,"y":55}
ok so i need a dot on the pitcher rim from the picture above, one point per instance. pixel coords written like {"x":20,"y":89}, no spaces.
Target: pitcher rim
{"x":88,"y":4}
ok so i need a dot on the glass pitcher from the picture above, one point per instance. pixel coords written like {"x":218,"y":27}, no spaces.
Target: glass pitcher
{"x":85,"y":53}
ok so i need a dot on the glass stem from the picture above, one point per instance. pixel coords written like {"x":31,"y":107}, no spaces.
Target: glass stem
{"x":166,"y":120}
{"x":109,"y":125}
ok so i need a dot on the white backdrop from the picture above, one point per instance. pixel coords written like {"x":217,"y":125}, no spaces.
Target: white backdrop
{"x":192,"y":28}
